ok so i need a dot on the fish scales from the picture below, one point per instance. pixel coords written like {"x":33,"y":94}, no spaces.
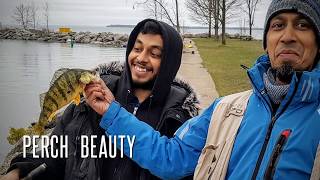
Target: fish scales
{"x":63,"y":90}
{"x":65,"y":87}
{"x":69,"y":79}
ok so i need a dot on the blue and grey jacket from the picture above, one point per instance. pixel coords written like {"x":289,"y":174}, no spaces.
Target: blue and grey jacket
{"x":255,"y":153}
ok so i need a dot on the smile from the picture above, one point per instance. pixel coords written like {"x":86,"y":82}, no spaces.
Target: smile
{"x":140,"y":68}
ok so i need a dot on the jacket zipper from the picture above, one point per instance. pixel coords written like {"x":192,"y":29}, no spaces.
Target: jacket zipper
{"x":135,"y":109}
{"x":264,"y":147}
{"x":270,"y":127}
{"x":267,"y":138}
{"x":283,"y":138}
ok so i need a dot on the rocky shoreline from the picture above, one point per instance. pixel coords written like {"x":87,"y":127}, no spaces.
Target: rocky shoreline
{"x":105,"y":39}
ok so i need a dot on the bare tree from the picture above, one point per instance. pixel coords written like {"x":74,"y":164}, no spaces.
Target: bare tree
{"x":216,"y":13}
{"x":201,"y":11}
{"x":228,"y":10}
{"x":177,"y":16}
{"x":223,"y":22}
{"x":219,"y":11}
{"x":250,"y":10}
{"x":34,"y":12}
{"x":210,"y":16}
{"x":161,"y":8}
{"x":46,"y":14}
{"x":155,"y":9}
{"x":22,"y":14}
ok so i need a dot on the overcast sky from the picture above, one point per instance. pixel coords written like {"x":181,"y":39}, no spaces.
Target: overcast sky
{"x":106,"y":12}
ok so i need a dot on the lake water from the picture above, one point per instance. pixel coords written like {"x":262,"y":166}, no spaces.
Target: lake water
{"x":26,"y":68}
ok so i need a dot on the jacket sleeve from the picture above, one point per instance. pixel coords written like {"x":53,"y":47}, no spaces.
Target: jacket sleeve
{"x":55,"y":166}
{"x":166,"y":158}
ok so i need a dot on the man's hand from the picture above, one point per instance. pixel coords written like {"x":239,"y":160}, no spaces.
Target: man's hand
{"x":98,"y":96}
{"x":12,"y":175}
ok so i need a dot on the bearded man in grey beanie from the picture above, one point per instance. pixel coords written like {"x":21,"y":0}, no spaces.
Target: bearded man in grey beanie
{"x":270,"y":132}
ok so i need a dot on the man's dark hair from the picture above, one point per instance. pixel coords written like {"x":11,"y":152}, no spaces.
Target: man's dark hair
{"x":151,"y":27}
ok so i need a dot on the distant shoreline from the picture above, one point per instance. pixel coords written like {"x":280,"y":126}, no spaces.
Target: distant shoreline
{"x":183,"y":27}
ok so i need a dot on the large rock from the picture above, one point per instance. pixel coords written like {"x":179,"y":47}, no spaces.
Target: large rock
{"x":121,"y":37}
{"x":78,"y":38}
{"x":99,"y":39}
{"x":86,"y":39}
{"x":108,"y":38}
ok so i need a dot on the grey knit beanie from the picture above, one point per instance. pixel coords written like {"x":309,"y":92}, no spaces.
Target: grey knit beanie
{"x":309,"y":8}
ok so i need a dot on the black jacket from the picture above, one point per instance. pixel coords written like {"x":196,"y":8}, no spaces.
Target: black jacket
{"x":170,"y":104}
{"x":82,"y":120}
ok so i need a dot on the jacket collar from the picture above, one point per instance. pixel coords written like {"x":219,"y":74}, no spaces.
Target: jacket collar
{"x":304,"y":86}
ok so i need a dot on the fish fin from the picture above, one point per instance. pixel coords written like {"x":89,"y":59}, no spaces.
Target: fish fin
{"x":77,"y":100}
{"x":42,"y":96}
{"x":57,"y":74}
{"x":52,"y":116}
{"x":37,"y":129}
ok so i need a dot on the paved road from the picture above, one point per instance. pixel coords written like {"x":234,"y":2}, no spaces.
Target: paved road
{"x":193,"y":72}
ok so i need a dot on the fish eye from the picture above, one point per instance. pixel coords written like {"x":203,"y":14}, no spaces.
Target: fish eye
{"x":69,"y":92}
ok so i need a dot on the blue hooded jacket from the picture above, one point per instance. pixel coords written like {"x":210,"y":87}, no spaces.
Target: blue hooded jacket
{"x":255,"y":142}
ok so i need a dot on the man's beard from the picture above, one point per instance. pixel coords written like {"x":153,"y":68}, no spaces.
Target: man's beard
{"x":283,"y":73}
{"x":145,"y":85}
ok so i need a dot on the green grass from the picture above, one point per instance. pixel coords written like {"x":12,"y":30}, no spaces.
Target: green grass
{"x":223,"y":62}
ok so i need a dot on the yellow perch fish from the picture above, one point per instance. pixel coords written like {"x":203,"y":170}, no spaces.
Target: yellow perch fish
{"x":66,"y":86}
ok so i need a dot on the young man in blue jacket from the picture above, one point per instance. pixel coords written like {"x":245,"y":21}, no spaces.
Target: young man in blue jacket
{"x":279,"y":133}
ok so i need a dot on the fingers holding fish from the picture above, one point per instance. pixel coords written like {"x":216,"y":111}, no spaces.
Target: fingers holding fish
{"x":97,"y":82}
{"x":97,"y":101}
{"x":103,"y":85}
{"x":96,"y":97}
{"x":93,"y":84}
{"x":92,"y":88}
{"x":108,"y":95}
{"x":100,"y":86}
{"x":106,"y":91}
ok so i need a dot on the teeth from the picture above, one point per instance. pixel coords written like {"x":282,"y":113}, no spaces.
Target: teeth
{"x":140,"y":69}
